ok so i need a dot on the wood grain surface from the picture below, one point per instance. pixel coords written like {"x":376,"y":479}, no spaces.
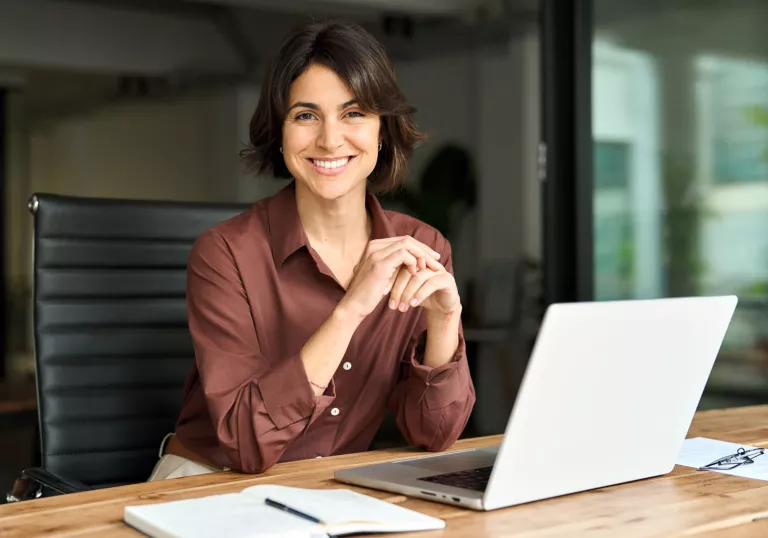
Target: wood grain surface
{"x":685,"y":502}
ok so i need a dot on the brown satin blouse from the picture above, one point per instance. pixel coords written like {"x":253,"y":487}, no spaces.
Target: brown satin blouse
{"x":256,"y":292}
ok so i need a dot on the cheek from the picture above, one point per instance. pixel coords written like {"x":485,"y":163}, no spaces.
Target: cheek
{"x":296,"y":139}
{"x":367,"y":138}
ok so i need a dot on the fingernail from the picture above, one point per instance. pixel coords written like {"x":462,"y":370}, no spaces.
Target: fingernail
{"x":403,"y":307}
{"x":387,"y":290}
{"x":392,"y":304}
{"x":414,"y":301}
{"x":437,"y":254}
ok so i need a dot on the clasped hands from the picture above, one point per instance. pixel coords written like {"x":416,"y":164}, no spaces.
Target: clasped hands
{"x":408,"y":272}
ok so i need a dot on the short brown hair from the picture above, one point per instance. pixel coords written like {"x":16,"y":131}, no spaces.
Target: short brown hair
{"x":360,"y":61}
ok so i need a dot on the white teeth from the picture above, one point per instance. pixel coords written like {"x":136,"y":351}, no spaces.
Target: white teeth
{"x":331,"y":164}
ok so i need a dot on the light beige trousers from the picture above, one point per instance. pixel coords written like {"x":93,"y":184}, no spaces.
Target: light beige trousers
{"x":173,"y":466}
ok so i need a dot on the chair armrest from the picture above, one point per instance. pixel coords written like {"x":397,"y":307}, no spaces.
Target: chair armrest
{"x":33,"y":481}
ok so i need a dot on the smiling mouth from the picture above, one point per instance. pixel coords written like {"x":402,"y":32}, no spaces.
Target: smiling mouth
{"x":331,"y":164}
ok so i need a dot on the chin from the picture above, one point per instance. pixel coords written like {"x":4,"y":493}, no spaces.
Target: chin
{"x":333,"y":188}
{"x":333,"y":191}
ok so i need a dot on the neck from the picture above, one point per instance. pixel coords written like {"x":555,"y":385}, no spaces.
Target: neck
{"x":341,"y":224}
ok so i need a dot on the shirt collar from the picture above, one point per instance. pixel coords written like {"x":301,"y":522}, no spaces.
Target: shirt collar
{"x":285,"y":231}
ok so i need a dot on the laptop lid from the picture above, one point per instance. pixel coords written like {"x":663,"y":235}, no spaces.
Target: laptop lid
{"x":608,"y":395}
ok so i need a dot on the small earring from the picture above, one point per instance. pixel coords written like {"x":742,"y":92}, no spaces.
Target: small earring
{"x":281,"y":149}
{"x":379,"y":146}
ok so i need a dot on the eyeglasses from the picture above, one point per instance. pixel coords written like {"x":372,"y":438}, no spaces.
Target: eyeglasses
{"x":741,"y":457}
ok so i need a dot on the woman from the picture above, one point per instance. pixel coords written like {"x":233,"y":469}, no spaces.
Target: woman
{"x":315,"y":310}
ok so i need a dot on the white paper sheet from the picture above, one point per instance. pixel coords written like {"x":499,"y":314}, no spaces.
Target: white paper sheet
{"x":700,"y":451}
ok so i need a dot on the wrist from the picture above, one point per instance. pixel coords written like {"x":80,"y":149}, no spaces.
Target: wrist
{"x":442,"y":337}
{"x":345,"y":319}
{"x":436,"y":320}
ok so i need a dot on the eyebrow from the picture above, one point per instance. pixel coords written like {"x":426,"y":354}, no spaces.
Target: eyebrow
{"x":313,"y":106}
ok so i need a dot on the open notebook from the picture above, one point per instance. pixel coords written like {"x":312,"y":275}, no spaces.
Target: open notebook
{"x":247,"y":514}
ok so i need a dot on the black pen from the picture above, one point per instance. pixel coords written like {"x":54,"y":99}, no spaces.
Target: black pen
{"x":281,"y":506}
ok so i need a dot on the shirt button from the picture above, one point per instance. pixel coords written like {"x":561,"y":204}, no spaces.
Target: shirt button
{"x":335,"y":411}
{"x":347,"y":365}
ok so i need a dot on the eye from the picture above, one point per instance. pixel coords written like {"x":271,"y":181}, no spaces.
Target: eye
{"x":355,"y":114}
{"x":304,"y":116}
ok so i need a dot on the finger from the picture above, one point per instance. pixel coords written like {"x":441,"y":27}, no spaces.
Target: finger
{"x":414,"y":246}
{"x":389,"y":265}
{"x":407,"y":298}
{"x":383,"y":254}
{"x":429,"y":287}
{"x":378,"y":244}
{"x":435,"y":254}
{"x":401,"y":281}
{"x":428,"y":256}
{"x":433,"y":264}
{"x":404,"y":245}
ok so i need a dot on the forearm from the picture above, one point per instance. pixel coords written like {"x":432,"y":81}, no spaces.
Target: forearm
{"x":442,"y":338}
{"x":433,"y":403}
{"x":324,"y":350}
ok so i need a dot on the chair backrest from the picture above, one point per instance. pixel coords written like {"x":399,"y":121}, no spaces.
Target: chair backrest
{"x":112,"y":348}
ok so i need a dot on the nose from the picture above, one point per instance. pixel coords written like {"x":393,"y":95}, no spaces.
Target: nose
{"x":330,"y":137}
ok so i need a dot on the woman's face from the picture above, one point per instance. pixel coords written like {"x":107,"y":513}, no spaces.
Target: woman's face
{"x":330,"y":145}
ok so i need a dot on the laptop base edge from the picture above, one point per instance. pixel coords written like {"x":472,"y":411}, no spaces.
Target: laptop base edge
{"x":426,"y":493}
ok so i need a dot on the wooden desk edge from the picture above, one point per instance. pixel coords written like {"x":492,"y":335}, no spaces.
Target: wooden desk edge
{"x":231,"y":479}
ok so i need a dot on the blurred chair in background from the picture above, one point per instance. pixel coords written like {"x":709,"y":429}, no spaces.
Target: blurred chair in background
{"x":510,"y":309}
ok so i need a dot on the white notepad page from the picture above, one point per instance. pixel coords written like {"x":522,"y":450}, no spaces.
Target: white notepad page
{"x":245,"y":515}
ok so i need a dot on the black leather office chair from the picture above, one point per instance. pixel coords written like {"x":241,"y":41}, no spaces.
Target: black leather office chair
{"x":112,"y":348}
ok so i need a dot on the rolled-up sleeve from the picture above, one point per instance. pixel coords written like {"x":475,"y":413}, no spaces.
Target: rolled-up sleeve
{"x":432,"y":405}
{"x":258,"y":404}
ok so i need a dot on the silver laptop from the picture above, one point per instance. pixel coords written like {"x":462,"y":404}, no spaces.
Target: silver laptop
{"x":608,"y":396}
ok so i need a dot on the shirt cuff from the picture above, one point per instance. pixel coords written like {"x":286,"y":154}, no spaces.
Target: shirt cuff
{"x":287,"y":394}
{"x":443,"y":385}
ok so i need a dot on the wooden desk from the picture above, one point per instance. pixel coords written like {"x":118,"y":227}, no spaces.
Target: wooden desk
{"x":684,"y":503}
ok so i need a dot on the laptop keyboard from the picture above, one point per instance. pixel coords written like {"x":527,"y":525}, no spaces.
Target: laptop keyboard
{"x":474,"y":479}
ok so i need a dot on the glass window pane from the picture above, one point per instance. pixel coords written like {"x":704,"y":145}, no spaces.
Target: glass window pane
{"x":680,"y":128}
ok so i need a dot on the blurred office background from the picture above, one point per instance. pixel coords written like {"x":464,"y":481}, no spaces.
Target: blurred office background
{"x":667,"y":124}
